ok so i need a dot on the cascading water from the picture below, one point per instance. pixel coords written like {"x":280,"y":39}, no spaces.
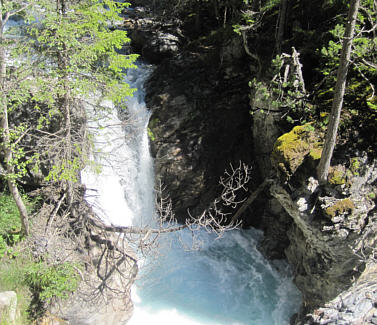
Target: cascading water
{"x":122,"y":192}
{"x":226,"y":282}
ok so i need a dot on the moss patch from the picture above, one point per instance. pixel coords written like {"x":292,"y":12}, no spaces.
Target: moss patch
{"x":355,"y":166}
{"x":344,"y":206}
{"x":292,"y":148}
{"x":337,"y":175}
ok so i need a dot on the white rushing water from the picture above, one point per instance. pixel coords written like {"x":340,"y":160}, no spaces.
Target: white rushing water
{"x":227,"y":282}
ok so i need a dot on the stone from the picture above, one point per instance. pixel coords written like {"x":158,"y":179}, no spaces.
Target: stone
{"x":363,"y":307}
{"x":302,"y":204}
{"x":8,"y":306}
{"x":292,"y":148}
{"x":312,"y":184}
{"x":49,"y":319}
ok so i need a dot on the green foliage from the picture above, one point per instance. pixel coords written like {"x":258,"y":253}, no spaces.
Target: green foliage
{"x":359,"y":106}
{"x":10,"y":224}
{"x":52,"y":281}
{"x":44,"y":282}
{"x":66,"y":170}
{"x":247,"y":19}
{"x":270,"y":4}
{"x":62,"y":56}
{"x":91,"y":49}
{"x":282,"y":93}
{"x":364,"y":50}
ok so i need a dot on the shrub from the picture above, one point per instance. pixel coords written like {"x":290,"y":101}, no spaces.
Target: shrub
{"x":51,"y":281}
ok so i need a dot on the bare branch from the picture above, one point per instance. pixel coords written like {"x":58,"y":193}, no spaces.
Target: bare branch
{"x":251,"y":199}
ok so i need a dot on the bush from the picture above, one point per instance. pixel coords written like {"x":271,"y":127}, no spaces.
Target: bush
{"x":51,"y":281}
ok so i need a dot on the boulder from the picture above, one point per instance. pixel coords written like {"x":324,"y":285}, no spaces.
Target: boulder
{"x":291,"y":149}
{"x":8,"y":307}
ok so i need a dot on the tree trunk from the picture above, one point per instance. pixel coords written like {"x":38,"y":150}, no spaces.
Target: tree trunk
{"x":65,"y":102}
{"x":5,"y":132}
{"x":256,"y":5}
{"x":330,"y":139}
{"x":281,"y":25}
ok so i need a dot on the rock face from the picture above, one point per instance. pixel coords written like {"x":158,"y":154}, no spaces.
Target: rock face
{"x":357,"y":305}
{"x":199,"y":125}
{"x":154,"y":40}
{"x":331,"y":240}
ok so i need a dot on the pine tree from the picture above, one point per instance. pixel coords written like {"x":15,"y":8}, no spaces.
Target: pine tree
{"x":330,"y":139}
{"x":70,"y":50}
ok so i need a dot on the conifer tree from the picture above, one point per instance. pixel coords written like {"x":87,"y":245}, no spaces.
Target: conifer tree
{"x":70,"y":50}
{"x":330,"y":139}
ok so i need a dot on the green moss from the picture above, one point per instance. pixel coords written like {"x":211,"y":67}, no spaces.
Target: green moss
{"x":355,"y":166}
{"x":344,"y":206}
{"x":337,"y":175}
{"x":315,"y":153}
{"x":291,"y":148}
{"x":372,"y":195}
{"x":154,"y":122}
{"x":151,"y":135}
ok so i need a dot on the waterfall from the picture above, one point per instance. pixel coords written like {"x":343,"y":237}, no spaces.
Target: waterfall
{"x":226,"y":282}
{"x":122,"y":192}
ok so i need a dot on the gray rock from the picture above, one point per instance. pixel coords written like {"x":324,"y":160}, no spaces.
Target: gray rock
{"x":8,"y":306}
{"x":363,"y":307}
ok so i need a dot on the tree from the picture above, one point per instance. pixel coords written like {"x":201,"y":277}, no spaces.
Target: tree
{"x":7,"y":10}
{"x":69,"y":51}
{"x":79,"y":41}
{"x":330,"y":139}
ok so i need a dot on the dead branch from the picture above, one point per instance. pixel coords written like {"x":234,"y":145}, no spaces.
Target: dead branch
{"x":251,"y":199}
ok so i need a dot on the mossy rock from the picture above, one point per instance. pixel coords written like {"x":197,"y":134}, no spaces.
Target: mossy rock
{"x":337,"y":175}
{"x":291,"y":149}
{"x":341,"y":207}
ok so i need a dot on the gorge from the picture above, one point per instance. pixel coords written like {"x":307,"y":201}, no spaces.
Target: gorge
{"x":200,"y":121}
{"x":222,"y":82}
